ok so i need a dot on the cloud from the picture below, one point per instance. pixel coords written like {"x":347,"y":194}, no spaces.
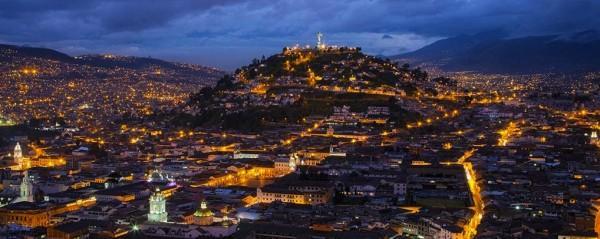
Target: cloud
{"x":229,"y":33}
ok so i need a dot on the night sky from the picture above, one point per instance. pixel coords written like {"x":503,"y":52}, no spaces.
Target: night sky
{"x":229,"y":33}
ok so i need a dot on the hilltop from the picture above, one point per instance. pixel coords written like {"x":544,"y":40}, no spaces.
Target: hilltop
{"x":330,"y":66}
{"x":31,"y":55}
{"x":302,"y":82}
{"x":11,"y":52}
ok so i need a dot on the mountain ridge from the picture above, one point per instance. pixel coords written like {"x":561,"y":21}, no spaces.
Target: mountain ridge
{"x":573,"y":53}
{"x":8,"y":52}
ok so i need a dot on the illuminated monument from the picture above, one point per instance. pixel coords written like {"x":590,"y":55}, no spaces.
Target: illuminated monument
{"x":18,"y":156}
{"x":22,"y":162}
{"x":320,"y":43}
{"x":158,"y":209}
{"x":18,"y":153}
{"x":25,"y":189}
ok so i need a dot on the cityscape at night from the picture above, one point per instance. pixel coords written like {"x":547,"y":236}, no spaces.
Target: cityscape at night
{"x":268,"y":119}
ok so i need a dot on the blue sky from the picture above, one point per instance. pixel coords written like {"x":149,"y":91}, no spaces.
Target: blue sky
{"x":229,"y":33}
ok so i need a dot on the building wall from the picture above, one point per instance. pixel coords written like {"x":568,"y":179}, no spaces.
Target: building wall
{"x":41,"y":217}
{"x":294,"y":197}
{"x":25,"y":218}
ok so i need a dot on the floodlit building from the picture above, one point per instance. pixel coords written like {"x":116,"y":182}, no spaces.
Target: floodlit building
{"x":21,"y":161}
{"x":18,"y":153}
{"x":25,"y":189}
{"x":158,"y":209}
{"x":203,"y":216}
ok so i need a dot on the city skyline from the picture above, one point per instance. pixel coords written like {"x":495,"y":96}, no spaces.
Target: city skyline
{"x":370,"y":119}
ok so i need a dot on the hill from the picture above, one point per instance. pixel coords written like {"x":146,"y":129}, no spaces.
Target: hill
{"x":11,"y":53}
{"x":78,"y":88}
{"x":491,"y":53}
{"x":330,"y":67}
{"x":297,"y":83}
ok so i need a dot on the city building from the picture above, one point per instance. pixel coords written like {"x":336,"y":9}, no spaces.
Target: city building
{"x":158,"y":209}
{"x":203,"y":216}
{"x":25,"y":189}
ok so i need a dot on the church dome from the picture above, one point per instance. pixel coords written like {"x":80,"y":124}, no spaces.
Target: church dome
{"x":203,"y":211}
{"x":158,"y":176}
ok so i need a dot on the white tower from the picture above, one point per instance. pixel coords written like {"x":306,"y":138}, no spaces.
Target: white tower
{"x":26,"y":189}
{"x":594,"y":139}
{"x":158,"y":209}
{"x":18,"y":154}
{"x":293,"y":161}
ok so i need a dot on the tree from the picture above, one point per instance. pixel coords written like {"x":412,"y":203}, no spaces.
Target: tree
{"x":225,"y":83}
{"x":405,"y":66}
{"x":204,"y":95}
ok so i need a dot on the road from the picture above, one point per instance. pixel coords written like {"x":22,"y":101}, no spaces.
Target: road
{"x":470,"y":229}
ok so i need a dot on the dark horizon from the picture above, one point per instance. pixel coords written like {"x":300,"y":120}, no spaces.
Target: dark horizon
{"x":228,"y":34}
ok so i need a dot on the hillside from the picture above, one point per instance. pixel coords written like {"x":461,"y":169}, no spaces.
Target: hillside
{"x":297,"y":83}
{"x":11,"y":53}
{"x":335,"y":67}
{"x":92,"y":88}
{"x":490,"y":53}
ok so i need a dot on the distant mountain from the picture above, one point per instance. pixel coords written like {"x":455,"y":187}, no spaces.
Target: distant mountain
{"x":8,"y":52}
{"x":11,"y":53}
{"x":491,"y":53}
{"x":125,"y":62}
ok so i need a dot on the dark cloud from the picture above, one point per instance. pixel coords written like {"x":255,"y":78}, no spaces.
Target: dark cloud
{"x":225,"y":32}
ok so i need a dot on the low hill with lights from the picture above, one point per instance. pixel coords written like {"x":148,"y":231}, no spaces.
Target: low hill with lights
{"x":31,"y":56}
{"x":328,"y":66}
{"x":287,"y":87}
{"x":11,"y":52}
